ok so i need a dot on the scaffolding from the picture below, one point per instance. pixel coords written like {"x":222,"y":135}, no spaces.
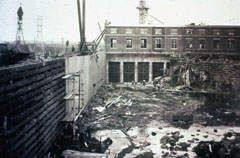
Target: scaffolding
{"x":74,"y":97}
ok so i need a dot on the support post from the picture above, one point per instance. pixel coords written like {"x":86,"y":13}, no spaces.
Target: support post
{"x":164,"y":68}
{"x":107,"y":72}
{"x":136,"y":71}
{"x":80,"y":24}
{"x":83,"y":29}
{"x":150,"y":72}
{"x":121,"y":72}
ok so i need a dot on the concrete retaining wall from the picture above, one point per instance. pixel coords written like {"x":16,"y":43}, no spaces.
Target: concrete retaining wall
{"x":92,"y":70}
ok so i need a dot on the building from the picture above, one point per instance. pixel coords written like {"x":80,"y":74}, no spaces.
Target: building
{"x":142,"y":53}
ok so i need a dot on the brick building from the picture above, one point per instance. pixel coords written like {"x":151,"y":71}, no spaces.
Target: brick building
{"x":142,"y":53}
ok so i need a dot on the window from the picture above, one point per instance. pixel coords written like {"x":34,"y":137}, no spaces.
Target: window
{"x":189,"y":31}
{"x":174,"y":31}
{"x":143,"y":43}
{"x":202,"y":31}
{"x":231,"y":32}
{"x":173,"y":43}
{"x":158,"y":43}
{"x":113,"y":43}
{"x":189,"y":43}
{"x":216,"y":44}
{"x":143,"y":31}
{"x":202,"y":44}
{"x":231,"y":43}
{"x":129,"y":43}
{"x":113,"y":30}
{"x":129,"y":31}
{"x":216,"y":32}
{"x":158,"y":31}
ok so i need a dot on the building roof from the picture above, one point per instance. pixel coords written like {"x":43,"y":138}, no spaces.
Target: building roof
{"x":180,"y":26}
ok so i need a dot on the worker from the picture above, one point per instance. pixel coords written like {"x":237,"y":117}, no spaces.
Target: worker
{"x":73,"y":49}
{"x":144,"y":82}
{"x":158,"y":86}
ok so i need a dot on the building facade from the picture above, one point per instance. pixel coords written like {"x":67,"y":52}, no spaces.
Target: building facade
{"x":142,"y":53}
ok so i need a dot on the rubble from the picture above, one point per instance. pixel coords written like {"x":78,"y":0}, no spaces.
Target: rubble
{"x":132,"y":110}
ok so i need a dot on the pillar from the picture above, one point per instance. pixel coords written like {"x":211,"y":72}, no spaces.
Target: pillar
{"x":150,"y":72}
{"x":136,"y":72}
{"x":164,"y":67}
{"x":107,"y":72}
{"x":121,"y":72}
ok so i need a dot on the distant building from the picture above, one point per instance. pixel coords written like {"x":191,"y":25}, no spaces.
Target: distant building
{"x":140,"y":53}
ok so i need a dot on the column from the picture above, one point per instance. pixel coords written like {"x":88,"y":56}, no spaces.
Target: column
{"x":107,"y":72}
{"x":150,"y":72}
{"x":164,"y":67}
{"x":136,"y":72}
{"x":121,"y":72}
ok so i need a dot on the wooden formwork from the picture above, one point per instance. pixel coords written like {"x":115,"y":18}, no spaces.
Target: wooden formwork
{"x":31,"y":107}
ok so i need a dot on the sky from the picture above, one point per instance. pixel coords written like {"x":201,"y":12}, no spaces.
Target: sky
{"x":60,"y":17}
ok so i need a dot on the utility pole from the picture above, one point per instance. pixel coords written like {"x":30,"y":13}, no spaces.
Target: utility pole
{"x":39,"y":37}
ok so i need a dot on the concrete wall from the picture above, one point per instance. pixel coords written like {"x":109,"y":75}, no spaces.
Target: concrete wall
{"x":92,"y":76}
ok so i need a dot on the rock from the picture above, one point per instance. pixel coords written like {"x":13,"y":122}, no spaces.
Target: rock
{"x":163,"y":146}
{"x":196,"y":139}
{"x":173,"y":153}
{"x":228,"y":134}
{"x":184,"y":145}
{"x":191,"y":141}
{"x":176,"y":135}
{"x":205,"y":136}
{"x":154,"y":133}
{"x":215,"y":130}
{"x":164,"y":139}
{"x":172,"y":141}
{"x":165,"y":155}
{"x":198,"y":130}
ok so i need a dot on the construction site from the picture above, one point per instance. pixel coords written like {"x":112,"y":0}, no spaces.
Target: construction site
{"x":134,"y":92}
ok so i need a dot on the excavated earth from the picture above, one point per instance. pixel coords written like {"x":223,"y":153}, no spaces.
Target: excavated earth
{"x":145,"y":123}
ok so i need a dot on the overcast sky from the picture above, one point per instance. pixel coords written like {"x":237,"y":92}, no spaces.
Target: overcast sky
{"x":60,"y":21}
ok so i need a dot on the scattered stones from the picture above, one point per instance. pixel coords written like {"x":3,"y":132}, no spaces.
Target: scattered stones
{"x":215,"y":130}
{"x":205,"y":136}
{"x":145,"y":155}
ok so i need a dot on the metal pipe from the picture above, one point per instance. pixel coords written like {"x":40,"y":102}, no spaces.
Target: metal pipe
{"x":80,"y":23}
{"x":83,"y":29}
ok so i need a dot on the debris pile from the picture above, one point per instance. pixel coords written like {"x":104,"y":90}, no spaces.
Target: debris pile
{"x":207,"y":73}
{"x":228,"y":147}
{"x":171,"y":143}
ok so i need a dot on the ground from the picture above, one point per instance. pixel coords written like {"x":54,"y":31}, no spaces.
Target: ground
{"x":145,"y":122}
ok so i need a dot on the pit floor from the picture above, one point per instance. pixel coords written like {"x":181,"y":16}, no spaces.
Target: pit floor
{"x":137,"y":117}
